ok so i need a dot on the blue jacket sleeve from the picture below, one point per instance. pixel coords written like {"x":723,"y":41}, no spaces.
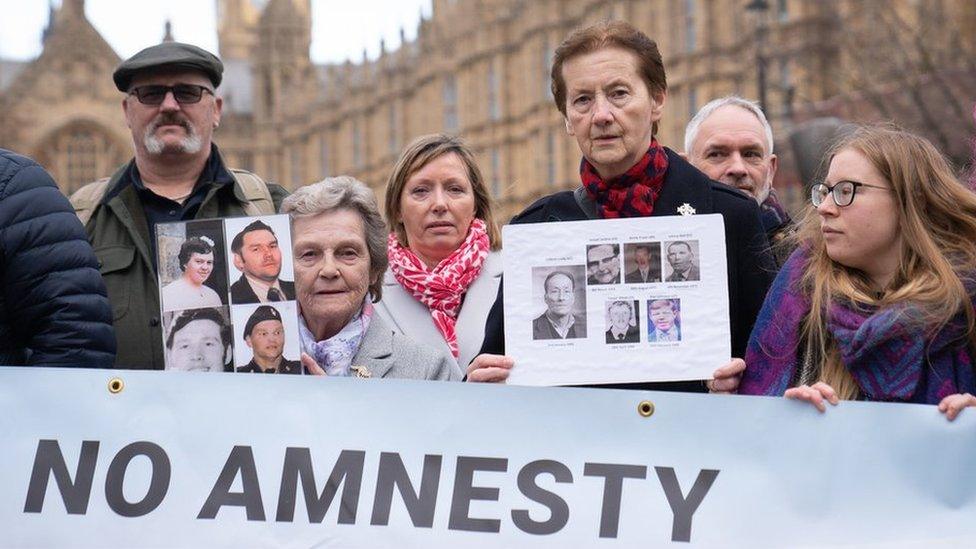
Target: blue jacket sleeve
{"x":55,"y":309}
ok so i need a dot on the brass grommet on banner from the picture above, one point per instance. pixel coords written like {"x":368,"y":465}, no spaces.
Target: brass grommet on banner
{"x":115,"y":385}
{"x":645,"y":408}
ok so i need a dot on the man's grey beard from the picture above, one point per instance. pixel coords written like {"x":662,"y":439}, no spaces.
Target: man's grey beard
{"x":759,"y":192}
{"x":191,"y":144}
{"x":764,"y":193}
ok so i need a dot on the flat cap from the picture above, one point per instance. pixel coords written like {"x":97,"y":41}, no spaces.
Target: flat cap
{"x":174,"y":55}
{"x":262,"y":313}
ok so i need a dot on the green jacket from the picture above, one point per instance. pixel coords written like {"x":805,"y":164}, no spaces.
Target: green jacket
{"x":119,"y":233}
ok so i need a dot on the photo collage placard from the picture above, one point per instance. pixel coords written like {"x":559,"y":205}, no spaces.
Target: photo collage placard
{"x":227,"y":294}
{"x":615,"y":301}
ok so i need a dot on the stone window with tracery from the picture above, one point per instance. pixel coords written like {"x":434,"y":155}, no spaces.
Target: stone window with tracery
{"x":81,"y":150}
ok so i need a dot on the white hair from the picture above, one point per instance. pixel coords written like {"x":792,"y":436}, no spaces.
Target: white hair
{"x":345,"y":192}
{"x":691,"y":130}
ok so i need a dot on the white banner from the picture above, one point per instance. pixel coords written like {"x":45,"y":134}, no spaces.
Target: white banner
{"x":191,"y":460}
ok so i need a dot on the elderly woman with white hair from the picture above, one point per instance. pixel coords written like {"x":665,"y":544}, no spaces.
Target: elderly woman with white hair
{"x":339,"y":244}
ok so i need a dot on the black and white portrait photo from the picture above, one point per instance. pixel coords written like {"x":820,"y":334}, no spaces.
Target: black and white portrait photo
{"x":622,"y":321}
{"x":563,"y":295}
{"x":198,"y":340}
{"x":603,"y":264}
{"x":682,"y":258}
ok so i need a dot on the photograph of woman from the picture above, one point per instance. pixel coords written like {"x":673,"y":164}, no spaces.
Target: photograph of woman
{"x":196,"y":261}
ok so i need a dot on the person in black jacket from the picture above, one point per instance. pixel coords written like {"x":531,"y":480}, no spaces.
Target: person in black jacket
{"x":608,"y":81}
{"x":54,"y":309}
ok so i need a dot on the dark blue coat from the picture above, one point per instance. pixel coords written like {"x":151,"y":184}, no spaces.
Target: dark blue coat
{"x":53,"y":307}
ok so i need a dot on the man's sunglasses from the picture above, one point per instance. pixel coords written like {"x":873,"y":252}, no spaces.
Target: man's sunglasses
{"x":184,"y":94}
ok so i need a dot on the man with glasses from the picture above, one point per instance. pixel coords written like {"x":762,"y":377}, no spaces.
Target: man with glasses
{"x":559,"y":322}
{"x":172,"y":109}
{"x":603,"y":264}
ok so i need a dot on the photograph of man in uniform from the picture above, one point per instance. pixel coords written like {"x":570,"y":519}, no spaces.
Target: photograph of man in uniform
{"x":258,"y":257}
{"x":603,"y":264}
{"x":647,"y":263}
{"x":264,"y":333}
{"x":665,"y":324}
{"x":622,"y":322}
{"x":684,"y":264}
{"x":559,"y":321}
{"x":199,"y":340}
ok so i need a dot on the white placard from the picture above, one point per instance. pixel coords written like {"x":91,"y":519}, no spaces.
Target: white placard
{"x":616,"y":300}
{"x":198,"y":273}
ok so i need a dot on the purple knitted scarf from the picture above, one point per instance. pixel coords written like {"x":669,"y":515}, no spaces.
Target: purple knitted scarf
{"x":884,"y":349}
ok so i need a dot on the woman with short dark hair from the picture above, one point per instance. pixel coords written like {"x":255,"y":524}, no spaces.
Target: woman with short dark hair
{"x":196,"y":259}
{"x":608,"y":82}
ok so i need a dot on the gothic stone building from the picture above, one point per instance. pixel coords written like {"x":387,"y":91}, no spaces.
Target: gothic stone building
{"x":480,"y":68}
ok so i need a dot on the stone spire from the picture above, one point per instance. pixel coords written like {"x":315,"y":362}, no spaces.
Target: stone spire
{"x":168,"y":31}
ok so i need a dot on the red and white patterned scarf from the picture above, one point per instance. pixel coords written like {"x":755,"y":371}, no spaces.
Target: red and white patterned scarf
{"x":442,"y":288}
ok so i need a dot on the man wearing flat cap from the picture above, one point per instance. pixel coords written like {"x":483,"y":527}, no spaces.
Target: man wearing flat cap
{"x":172,"y":109}
{"x":265,"y":335}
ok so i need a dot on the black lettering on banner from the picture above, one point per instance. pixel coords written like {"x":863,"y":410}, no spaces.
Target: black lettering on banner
{"x":558,"y":509}
{"x":683,"y":508}
{"x":240,"y":460}
{"x":465,"y":493}
{"x":158,"y":483}
{"x":48,"y":460}
{"x":420,"y":505}
{"x":298,"y":465}
{"x":614,"y":475}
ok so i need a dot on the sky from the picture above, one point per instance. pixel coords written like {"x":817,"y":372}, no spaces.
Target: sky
{"x":340,"y":29}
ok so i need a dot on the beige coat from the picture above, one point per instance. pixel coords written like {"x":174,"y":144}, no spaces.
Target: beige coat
{"x":410,"y":317}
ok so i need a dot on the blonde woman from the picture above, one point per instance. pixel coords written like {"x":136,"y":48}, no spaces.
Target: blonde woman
{"x":443,"y":248}
{"x":877,"y":303}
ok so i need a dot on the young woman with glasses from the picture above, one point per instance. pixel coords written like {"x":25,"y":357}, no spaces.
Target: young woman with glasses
{"x":877,"y":302}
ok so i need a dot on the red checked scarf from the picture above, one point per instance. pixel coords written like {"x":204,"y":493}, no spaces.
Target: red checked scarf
{"x":631,"y":194}
{"x":442,"y":288}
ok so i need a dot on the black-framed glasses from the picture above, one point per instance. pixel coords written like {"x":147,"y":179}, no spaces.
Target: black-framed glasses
{"x":602,"y":262}
{"x":184,"y":94}
{"x":842,"y":192}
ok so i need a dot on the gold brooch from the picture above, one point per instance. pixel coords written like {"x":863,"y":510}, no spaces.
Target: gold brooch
{"x":361,"y":372}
